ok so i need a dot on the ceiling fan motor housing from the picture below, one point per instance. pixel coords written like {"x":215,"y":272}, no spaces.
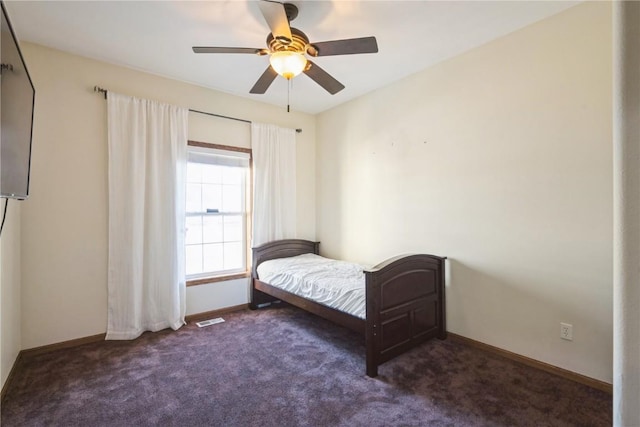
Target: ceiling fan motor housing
{"x":298,"y":44}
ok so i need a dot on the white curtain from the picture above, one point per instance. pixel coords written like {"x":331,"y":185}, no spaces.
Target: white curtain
{"x":274,"y":201}
{"x":147,"y":173}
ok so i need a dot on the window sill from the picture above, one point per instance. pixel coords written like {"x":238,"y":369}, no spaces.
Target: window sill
{"x":213,"y":279}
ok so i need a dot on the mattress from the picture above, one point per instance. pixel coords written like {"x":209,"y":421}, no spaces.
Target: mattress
{"x":336,"y":284}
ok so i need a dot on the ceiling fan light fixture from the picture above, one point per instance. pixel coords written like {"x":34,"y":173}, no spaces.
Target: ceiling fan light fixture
{"x":288,"y":63}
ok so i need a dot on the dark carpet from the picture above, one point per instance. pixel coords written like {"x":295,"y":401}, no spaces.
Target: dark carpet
{"x":283,"y":367}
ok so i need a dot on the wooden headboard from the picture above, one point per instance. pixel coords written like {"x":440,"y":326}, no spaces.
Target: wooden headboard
{"x":282,"y":249}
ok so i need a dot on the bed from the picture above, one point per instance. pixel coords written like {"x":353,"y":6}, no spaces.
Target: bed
{"x":404,"y":300}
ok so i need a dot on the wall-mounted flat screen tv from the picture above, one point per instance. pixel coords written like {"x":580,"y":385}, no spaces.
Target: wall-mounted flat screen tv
{"x":17,"y":96}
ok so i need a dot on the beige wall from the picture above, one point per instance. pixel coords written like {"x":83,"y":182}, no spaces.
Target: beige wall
{"x":10,"y":342}
{"x":64,"y":223}
{"x":500,"y":159}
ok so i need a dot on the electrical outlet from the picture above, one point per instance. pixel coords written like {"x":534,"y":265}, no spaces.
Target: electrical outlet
{"x":566,"y":331}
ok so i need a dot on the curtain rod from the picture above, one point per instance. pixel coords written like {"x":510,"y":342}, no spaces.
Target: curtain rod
{"x":105,"y":91}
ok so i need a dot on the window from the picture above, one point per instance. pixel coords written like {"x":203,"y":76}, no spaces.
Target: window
{"x":216,"y":220}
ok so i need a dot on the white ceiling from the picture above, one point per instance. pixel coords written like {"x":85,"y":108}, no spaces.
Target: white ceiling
{"x":157,"y":36}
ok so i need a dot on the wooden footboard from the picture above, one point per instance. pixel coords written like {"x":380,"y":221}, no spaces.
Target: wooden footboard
{"x":405,"y":300}
{"x":405,"y":306}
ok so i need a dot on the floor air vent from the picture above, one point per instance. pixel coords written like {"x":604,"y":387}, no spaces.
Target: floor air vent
{"x":210,"y":322}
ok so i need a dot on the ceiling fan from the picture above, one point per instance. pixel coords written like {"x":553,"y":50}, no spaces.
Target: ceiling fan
{"x":289,"y":47}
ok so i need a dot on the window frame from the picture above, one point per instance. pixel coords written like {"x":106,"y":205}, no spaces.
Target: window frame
{"x":195,"y":281}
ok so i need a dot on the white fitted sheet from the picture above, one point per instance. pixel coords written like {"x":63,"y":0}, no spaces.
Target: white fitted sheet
{"x":337,"y":284}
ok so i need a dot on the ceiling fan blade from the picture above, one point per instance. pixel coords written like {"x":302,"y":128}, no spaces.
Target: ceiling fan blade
{"x":264,"y":81}
{"x":277,"y":20}
{"x":323,"y":78}
{"x":344,"y":47}
{"x":212,"y":49}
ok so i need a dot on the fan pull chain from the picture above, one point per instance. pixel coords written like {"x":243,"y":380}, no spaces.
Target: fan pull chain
{"x":289,"y":83}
